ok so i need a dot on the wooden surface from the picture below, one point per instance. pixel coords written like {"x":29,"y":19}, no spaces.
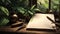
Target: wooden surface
{"x":24,"y":31}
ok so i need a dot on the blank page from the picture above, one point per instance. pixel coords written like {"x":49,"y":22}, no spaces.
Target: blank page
{"x":40,"y":21}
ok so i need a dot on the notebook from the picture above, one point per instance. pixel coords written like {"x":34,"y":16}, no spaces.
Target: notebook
{"x":42,"y":22}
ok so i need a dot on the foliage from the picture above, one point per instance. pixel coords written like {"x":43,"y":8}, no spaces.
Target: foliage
{"x":19,"y":6}
{"x":4,"y":13}
{"x":27,"y":12}
{"x":55,"y":4}
{"x":43,"y":5}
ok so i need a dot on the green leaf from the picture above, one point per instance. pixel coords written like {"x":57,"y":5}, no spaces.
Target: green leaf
{"x":4,"y":10}
{"x":4,"y":21}
{"x":31,"y":13}
{"x":32,"y":7}
{"x":21,"y":10}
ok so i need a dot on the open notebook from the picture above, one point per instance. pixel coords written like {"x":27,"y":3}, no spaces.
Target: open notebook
{"x":41,"y":21}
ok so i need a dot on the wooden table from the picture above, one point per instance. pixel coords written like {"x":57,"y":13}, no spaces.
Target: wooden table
{"x":24,"y":31}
